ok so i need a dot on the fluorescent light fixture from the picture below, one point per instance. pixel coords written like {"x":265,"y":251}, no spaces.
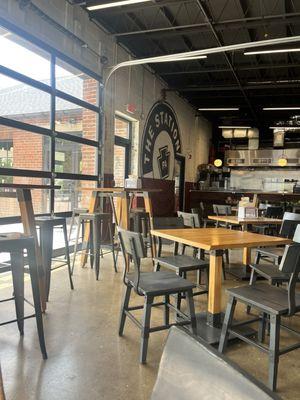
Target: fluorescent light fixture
{"x":219,"y":109}
{"x":252,"y":53}
{"x":280,"y":108}
{"x":290,"y":128}
{"x":166,"y":59}
{"x":234,"y":127}
{"x":115,"y":4}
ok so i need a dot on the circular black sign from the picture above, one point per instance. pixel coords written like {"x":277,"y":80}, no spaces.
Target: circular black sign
{"x":161,"y":142}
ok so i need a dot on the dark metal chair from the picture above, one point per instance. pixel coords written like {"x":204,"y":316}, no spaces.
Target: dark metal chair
{"x":15,"y":244}
{"x":98,"y":222}
{"x":272,"y":303}
{"x":151,"y":285}
{"x":205,"y":211}
{"x":46,"y":225}
{"x":181,"y":264}
{"x":287,"y":230}
{"x":202,"y":373}
{"x":271,"y":212}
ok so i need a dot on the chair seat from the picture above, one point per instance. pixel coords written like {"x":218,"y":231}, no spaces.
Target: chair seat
{"x":181,"y":263}
{"x":267,"y":298}
{"x":273,"y":252}
{"x":270,"y":272}
{"x":160,"y":282}
{"x":49,"y":220}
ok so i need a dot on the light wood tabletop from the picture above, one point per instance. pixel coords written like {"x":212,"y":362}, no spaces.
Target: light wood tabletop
{"x":215,"y":240}
{"x":233,"y":219}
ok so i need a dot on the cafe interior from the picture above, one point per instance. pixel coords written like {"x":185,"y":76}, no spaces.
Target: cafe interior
{"x":149,"y":199}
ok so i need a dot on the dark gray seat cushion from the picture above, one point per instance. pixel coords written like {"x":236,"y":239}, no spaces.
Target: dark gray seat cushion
{"x":156,"y":283}
{"x":265,"y":297}
{"x":181,"y":263}
{"x":191,"y":370}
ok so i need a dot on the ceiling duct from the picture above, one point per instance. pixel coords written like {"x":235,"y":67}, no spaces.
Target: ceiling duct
{"x":243,"y":132}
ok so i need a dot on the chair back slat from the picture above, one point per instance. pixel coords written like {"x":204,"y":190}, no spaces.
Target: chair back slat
{"x":290,"y":264}
{"x":189,"y":219}
{"x":292,"y":216}
{"x":274,"y":212}
{"x":296,"y":237}
{"x":168,"y":223}
{"x":222,"y":209}
{"x":132,"y":245}
{"x":288,"y":228}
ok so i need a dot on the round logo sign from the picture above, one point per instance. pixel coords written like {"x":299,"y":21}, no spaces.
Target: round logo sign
{"x":161,"y":142}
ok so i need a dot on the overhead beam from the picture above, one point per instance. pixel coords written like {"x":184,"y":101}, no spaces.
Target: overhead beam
{"x":249,"y":22}
{"x":233,"y":88}
{"x":237,"y":68}
{"x":220,"y":42}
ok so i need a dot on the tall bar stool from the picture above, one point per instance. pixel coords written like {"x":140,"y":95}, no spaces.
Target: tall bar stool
{"x":98,"y":222}
{"x":74,"y":220}
{"x":46,"y":226}
{"x":15,"y":244}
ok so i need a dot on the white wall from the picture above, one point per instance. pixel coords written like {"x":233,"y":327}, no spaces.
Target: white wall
{"x":136,"y":85}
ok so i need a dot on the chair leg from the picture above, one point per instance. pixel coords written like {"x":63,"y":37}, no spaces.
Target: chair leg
{"x":17,"y":269}
{"x":46,"y":234}
{"x":274,"y":350}
{"x":145,"y":328}
{"x":36,"y":298}
{"x":112,"y":246}
{"x":227,"y":324}
{"x":124,"y":308}
{"x":227,"y":256}
{"x":68,"y":255}
{"x":167,"y":310}
{"x":191,"y":310}
{"x":252,"y":281}
{"x":96,"y":244}
{"x":71,"y":225}
{"x":262,"y":328}
{"x":257,"y":258}
{"x":223,"y":269}
{"x":76,"y":247}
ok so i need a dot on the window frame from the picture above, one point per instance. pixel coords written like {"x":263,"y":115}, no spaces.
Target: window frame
{"x":51,"y":89}
{"x":126,"y":144}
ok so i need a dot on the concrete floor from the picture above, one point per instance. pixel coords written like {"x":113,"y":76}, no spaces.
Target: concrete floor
{"x":87,"y":358}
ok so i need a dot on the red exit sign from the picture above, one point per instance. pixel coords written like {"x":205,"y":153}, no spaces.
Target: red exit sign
{"x":131,"y":108}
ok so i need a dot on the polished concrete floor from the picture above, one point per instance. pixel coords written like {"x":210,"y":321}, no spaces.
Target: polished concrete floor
{"x":88,"y":360}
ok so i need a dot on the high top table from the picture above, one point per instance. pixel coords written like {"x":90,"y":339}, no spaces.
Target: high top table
{"x":216,"y":240}
{"x":124,"y":198}
{"x":23,"y":194}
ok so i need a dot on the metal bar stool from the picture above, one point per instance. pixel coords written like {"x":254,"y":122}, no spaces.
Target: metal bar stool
{"x":97,"y":221}
{"x":46,"y":225}
{"x":15,"y":243}
{"x":74,"y":221}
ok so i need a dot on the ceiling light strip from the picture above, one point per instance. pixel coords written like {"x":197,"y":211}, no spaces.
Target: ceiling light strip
{"x":115,"y":4}
{"x":280,"y":108}
{"x":251,"y":53}
{"x":219,"y":109}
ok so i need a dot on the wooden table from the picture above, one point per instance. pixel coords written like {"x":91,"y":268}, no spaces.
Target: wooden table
{"x":245,"y":222}
{"x":124,"y":198}
{"x":23,"y":194}
{"x":216,"y":240}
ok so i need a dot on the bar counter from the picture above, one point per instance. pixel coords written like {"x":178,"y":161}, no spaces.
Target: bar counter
{"x":194,"y":197}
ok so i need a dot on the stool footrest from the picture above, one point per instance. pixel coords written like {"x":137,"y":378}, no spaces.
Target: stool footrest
{"x":15,"y":320}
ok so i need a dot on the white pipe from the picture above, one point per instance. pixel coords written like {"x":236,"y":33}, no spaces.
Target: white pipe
{"x":190,"y":55}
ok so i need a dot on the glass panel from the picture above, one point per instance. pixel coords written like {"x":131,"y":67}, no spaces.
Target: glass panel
{"x":23,"y":57}
{"x":23,"y":150}
{"x":75,"y":158}
{"x":76,"y":83}
{"x":24,"y":103}
{"x":75,"y":120}
{"x":119,"y":165}
{"x":122,"y":128}
{"x":70,"y":196}
{"x":8,"y":202}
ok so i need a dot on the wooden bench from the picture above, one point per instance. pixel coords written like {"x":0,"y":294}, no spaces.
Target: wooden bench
{"x":192,"y":370}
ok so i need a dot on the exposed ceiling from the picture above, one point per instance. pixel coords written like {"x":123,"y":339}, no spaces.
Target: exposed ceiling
{"x":225,"y":79}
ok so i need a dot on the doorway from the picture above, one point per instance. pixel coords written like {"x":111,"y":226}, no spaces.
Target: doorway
{"x":122,"y":150}
{"x":179,"y":182}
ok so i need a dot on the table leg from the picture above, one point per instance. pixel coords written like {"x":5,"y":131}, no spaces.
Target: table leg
{"x":215,"y":286}
{"x":27,"y":218}
{"x":94,"y":204}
